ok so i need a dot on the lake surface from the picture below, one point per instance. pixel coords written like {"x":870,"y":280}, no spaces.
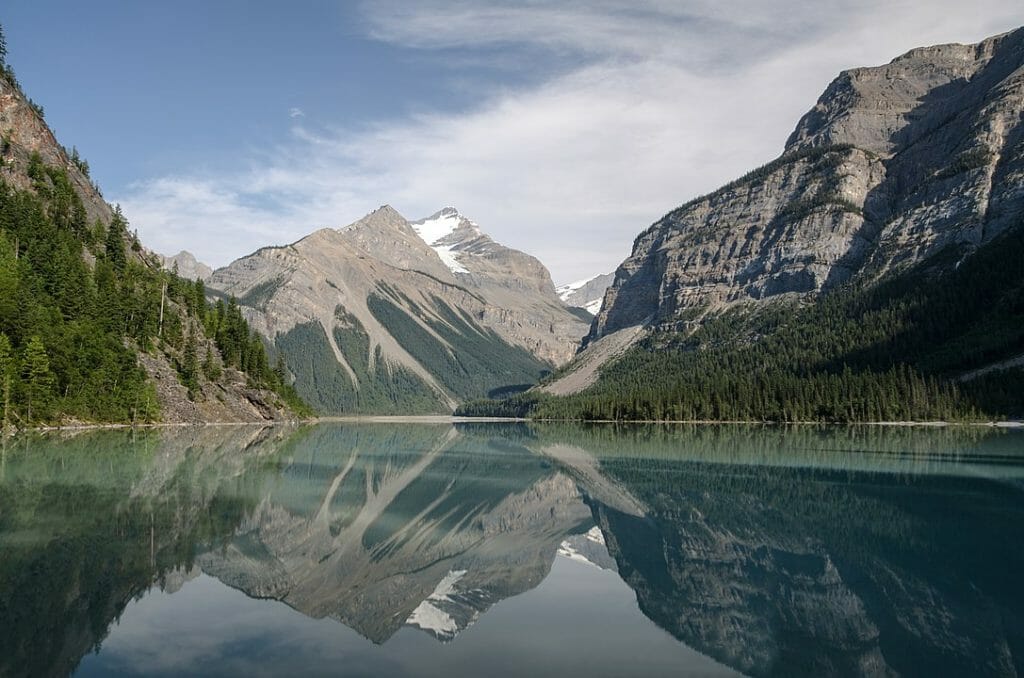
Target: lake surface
{"x":509,"y":550}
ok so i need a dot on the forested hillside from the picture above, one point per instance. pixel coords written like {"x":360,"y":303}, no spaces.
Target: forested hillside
{"x":82,"y":304}
{"x":871,"y":272}
{"x":895,"y":350}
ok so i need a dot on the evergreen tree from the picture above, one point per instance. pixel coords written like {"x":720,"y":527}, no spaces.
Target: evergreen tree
{"x":114,"y":250}
{"x":74,"y":324}
{"x":210,"y":367}
{"x":39,"y":380}
{"x":190,"y":361}
{"x":6,"y":370}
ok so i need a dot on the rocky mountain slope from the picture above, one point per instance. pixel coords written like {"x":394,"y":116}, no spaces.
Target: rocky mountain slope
{"x":588,"y":293}
{"x":388,"y":315}
{"x":187,"y":266}
{"x":894,"y":166}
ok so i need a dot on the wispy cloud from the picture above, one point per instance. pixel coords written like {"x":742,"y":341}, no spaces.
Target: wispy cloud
{"x":296,"y":113}
{"x":663,"y":102}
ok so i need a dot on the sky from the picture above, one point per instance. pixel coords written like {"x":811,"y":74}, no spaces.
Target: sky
{"x":562,"y":128}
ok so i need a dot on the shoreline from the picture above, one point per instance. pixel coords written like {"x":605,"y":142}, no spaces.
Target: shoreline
{"x":438,"y":419}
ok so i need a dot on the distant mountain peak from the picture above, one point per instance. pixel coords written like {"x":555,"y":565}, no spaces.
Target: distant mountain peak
{"x":446,"y":231}
{"x":188,"y":266}
{"x":441,"y":225}
{"x":384,"y":217}
{"x":587,"y":293}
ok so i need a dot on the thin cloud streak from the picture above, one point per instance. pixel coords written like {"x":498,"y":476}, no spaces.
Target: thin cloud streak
{"x":669,"y":102}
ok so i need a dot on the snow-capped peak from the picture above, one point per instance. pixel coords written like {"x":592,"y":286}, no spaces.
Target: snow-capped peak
{"x":440,"y":226}
{"x":437,"y":227}
{"x":587,"y":293}
{"x":565,"y":291}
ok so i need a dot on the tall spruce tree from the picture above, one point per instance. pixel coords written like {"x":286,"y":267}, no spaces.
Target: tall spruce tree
{"x":190,"y":361}
{"x":38,"y":380}
{"x":115,"y":241}
{"x":6,"y":369}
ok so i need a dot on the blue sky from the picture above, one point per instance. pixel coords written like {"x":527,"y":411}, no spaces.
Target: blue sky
{"x":563,"y":128}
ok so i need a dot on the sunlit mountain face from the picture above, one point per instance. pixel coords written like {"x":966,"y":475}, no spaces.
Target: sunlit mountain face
{"x":430,"y":549}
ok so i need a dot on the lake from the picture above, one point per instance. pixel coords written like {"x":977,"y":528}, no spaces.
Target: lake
{"x":513,"y":549}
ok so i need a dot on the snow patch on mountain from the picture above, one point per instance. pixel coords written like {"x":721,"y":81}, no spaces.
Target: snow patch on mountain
{"x":447,"y":254}
{"x":429,"y":616}
{"x":435,"y":230}
{"x":565,"y":291}
{"x":587,"y":293}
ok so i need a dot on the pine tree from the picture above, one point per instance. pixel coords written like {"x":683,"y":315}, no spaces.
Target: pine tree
{"x":210,"y":367}
{"x":38,"y":379}
{"x":115,"y":240}
{"x":6,"y":368}
{"x":190,"y":361}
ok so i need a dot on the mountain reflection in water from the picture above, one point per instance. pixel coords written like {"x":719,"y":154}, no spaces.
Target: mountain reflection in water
{"x":767,"y":551}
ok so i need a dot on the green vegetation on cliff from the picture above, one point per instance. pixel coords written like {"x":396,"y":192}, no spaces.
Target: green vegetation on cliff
{"x":382,"y":388}
{"x":887,"y":351}
{"x":81,"y":300}
{"x":469,"y":360}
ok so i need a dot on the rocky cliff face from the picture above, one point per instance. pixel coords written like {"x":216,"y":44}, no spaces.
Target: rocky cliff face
{"x":893,"y":165}
{"x":24,"y":132}
{"x":404,"y":316}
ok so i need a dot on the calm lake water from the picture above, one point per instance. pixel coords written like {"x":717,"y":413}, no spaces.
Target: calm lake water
{"x":510,"y":550}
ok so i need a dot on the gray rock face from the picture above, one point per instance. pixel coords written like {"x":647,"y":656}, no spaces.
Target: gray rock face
{"x":427,"y":270}
{"x":28,"y":133}
{"x":892,"y":165}
{"x":587,"y":294}
{"x":188,"y":266}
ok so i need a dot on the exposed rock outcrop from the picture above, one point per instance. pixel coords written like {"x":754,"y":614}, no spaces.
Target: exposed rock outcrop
{"x":893,"y":165}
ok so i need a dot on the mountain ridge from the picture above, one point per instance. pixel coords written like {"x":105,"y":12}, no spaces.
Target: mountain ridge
{"x":809,"y":220}
{"x":377,"y":305}
{"x":807,"y":276}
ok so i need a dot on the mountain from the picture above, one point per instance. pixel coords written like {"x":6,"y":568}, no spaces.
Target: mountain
{"x":186,"y":265}
{"x":892,"y":165}
{"x":877,"y":256}
{"x":387,"y":315}
{"x":587,"y":294}
{"x":91,"y":328}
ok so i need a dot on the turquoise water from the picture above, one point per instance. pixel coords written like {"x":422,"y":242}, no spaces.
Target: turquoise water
{"x":507,"y":550}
